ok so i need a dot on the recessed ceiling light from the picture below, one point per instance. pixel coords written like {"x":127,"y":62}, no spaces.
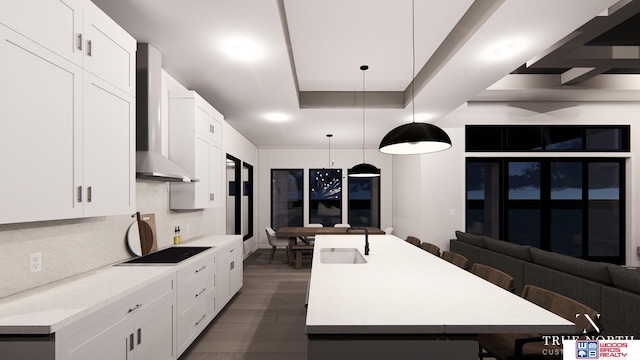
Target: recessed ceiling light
{"x":504,"y":50}
{"x":277,"y":117}
{"x":245,"y":50}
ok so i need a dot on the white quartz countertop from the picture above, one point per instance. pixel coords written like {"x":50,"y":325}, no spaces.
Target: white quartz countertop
{"x":403,"y":289}
{"x":46,"y":309}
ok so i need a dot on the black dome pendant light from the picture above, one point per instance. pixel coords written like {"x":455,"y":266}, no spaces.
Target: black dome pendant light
{"x":363,"y":170}
{"x":414,"y":138}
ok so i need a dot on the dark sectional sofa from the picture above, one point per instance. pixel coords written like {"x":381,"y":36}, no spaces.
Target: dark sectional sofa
{"x":612,"y":290}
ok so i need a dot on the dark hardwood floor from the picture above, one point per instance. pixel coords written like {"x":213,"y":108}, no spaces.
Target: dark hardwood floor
{"x":265,"y":320}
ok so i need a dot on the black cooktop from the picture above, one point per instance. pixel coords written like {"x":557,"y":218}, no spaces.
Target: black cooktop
{"x":172,"y":255}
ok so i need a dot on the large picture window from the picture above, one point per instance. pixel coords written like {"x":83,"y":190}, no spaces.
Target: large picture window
{"x":286,"y":198}
{"x":364,"y":201}
{"x":573,"y":206}
{"x":325,"y":196}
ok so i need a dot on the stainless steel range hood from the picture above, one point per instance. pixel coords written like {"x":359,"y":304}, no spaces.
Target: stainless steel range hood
{"x":150,"y":163}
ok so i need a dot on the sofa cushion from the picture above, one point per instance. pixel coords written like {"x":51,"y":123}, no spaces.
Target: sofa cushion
{"x":473,"y":239}
{"x":595,"y":271}
{"x":625,"y":279}
{"x":515,"y":250}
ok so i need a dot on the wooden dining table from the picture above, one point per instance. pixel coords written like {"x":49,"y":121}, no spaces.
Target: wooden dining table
{"x":299,"y":233}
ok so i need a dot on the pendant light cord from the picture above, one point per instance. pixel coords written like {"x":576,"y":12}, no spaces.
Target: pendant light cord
{"x":413,"y":64}
{"x":363,"y":92}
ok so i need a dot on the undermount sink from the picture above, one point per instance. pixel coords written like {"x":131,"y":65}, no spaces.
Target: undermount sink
{"x":341,"y":256}
{"x":172,"y":255}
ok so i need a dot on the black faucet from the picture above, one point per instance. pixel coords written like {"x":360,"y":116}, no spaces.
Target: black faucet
{"x":366,"y":237}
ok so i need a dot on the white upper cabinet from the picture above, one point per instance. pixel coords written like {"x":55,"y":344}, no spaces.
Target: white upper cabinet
{"x":80,"y":32}
{"x":67,"y":134}
{"x":109,"y":148}
{"x":55,"y":24}
{"x":195,"y":137}
{"x":110,"y":52}
{"x":40,"y":132}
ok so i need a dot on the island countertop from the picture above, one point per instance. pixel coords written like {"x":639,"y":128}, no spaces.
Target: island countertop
{"x":403,"y":289}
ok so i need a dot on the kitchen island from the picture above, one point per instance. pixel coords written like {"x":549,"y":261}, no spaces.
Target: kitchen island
{"x":407,"y":303}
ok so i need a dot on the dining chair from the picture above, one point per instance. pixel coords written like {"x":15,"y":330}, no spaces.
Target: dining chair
{"x":413,"y":240}
{"x":495,"y":276}
{"x":342,"y":225}
{"x":456,"y":259}
{"x":507,"y":346}
{"x":309,"y":239}
{"x":388,"y":231}
{"x":275,"y":242}
{"x":431,"y":248}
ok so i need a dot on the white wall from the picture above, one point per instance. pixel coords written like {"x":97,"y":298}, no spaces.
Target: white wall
{"x":317,"y":159}
{"x":441,"y":182}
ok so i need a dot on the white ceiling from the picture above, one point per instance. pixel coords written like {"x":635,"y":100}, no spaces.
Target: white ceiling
{"x":313,"y":49}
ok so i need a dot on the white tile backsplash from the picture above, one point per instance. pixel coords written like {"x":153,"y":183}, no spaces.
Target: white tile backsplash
{"x":71,"y":247}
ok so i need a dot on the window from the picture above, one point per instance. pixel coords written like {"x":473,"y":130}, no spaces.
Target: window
{"x":325,"y":196}
{"x":286,"y":198}
{"x":364,"y":201}
{"x":573,"y":206}
{"x":547,"y":138}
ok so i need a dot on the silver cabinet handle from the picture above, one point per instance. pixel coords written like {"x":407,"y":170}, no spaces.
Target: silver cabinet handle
{"x":202,"y":268}
{"x":201,"y":291}
{"x":139,"y":336}
{"x":131,"y":344}
{"x":79,"y":194}
{"x":89,"y":48}
{"x":134,"y":308}
{"x":80,"y":41}
{"x":199,"y":321}
{"x":89,"y":192}
{"x":233,"y":265}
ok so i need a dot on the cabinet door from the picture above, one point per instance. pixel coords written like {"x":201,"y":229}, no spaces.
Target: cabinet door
{"x":110,"y":52}
{"x":224,"y":271}
{"x":153,"y":332}
{"x":236,"y":270}
{"x":115,"y":346}
{"x":109,"y":163}
{"x":40,"y":132}
{"x":216,"y":172}
{"x":201,"y":199}
{"x":54,"y":24}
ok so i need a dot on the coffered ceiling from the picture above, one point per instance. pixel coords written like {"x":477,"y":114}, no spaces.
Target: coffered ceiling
{"x":286,"y":72}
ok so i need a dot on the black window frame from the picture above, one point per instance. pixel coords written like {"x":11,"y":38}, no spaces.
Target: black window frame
{"x":498,"y":138}
{"x":546,"y":202}
{"x":302,"y":206}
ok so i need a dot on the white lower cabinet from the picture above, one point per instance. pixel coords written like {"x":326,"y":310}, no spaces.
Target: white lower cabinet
{"x":196,"y":299}
{"x":140,"y":326}
{"x":230,"y":271}
{"x":158,"y":321}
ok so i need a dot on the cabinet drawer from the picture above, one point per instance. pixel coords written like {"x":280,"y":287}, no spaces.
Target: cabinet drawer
{"x":193,"y":289}
{"x":194,"y":319}
{"x":195,"y":279}
{"x":231,"y":248}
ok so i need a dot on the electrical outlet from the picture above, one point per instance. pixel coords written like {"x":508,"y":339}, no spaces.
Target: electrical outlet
{"x":35,"y":262}
{"x":188,"y":228}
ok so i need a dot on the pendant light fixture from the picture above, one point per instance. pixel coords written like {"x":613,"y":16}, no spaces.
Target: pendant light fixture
{"x":414,"y":138}
{"x":364,"y":169}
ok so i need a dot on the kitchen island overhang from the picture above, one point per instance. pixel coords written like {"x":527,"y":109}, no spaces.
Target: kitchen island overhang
{"x":406,"y":300}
